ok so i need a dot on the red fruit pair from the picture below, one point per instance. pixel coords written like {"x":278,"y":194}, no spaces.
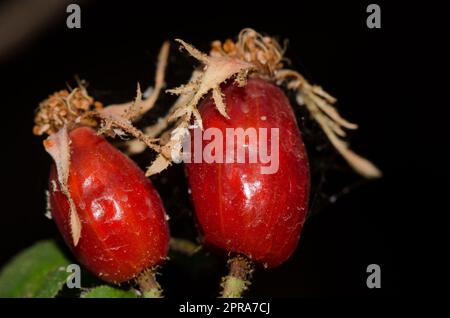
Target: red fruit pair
{"x":239,"y":209}
{"x":113,"y":219}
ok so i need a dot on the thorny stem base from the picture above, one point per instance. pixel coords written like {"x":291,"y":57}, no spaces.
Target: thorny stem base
{"x":148,"y":285}
{"x":238,"y":279}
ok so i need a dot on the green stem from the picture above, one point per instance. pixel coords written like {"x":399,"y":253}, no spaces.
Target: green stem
{"x":183,"y":246}
{"x":238,"y":279}
{"x":148,"y":285}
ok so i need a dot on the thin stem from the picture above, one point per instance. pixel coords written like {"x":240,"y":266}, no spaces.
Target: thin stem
{"x":148,"y":285}
{"x":238,"y":279}
{"x":183,"y":246}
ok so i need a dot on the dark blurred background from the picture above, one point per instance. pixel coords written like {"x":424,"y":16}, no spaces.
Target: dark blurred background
{"x":380,"y":77}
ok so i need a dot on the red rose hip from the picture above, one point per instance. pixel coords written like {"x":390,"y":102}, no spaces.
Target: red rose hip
{"x":123,"y":223}
{"x":238,"y":208}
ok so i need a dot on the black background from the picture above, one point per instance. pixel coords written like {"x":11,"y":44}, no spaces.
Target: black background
{"x":382,"y":80}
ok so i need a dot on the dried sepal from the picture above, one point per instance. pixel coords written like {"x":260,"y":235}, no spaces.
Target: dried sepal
{"x":217,"y":96}
{"x":264,"y":57}
{"x":159,"y":164}
{"x":332,"y":130}
{"x":58,"y":146}
{"x":267,"y":56}
{"x":182,"y":111}
{"x":128,"y":111}
{"x":217,"y":69}
{"x":320,"y":105}
{"x":159,"y":78}
{"x":117,"y":119}
{"x":112,"y":125}
{"x":76,"y":108}
{"x":134,"y":109}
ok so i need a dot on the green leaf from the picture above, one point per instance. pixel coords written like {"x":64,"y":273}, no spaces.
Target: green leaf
{"x":39,"y":271}
{"x":55,"y":281}
{"x":108,"y":292}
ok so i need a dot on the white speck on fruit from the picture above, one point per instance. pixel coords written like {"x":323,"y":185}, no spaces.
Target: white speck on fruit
{"x":87,"y":182}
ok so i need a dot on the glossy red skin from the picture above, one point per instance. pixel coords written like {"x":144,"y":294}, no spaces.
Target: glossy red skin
{"x":265,"y":223}
{"x":124,"y":228}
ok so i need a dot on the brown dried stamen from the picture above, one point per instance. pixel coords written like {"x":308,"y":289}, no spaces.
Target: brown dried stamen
{"x":62,"y":108}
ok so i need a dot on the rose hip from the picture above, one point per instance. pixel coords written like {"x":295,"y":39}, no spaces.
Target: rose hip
{"x":123,"y":223}
{"x":238,"y":208}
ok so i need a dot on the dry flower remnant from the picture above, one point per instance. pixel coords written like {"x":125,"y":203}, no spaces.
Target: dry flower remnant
{"x":63,"y":107}
{"x":251,"y":56}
